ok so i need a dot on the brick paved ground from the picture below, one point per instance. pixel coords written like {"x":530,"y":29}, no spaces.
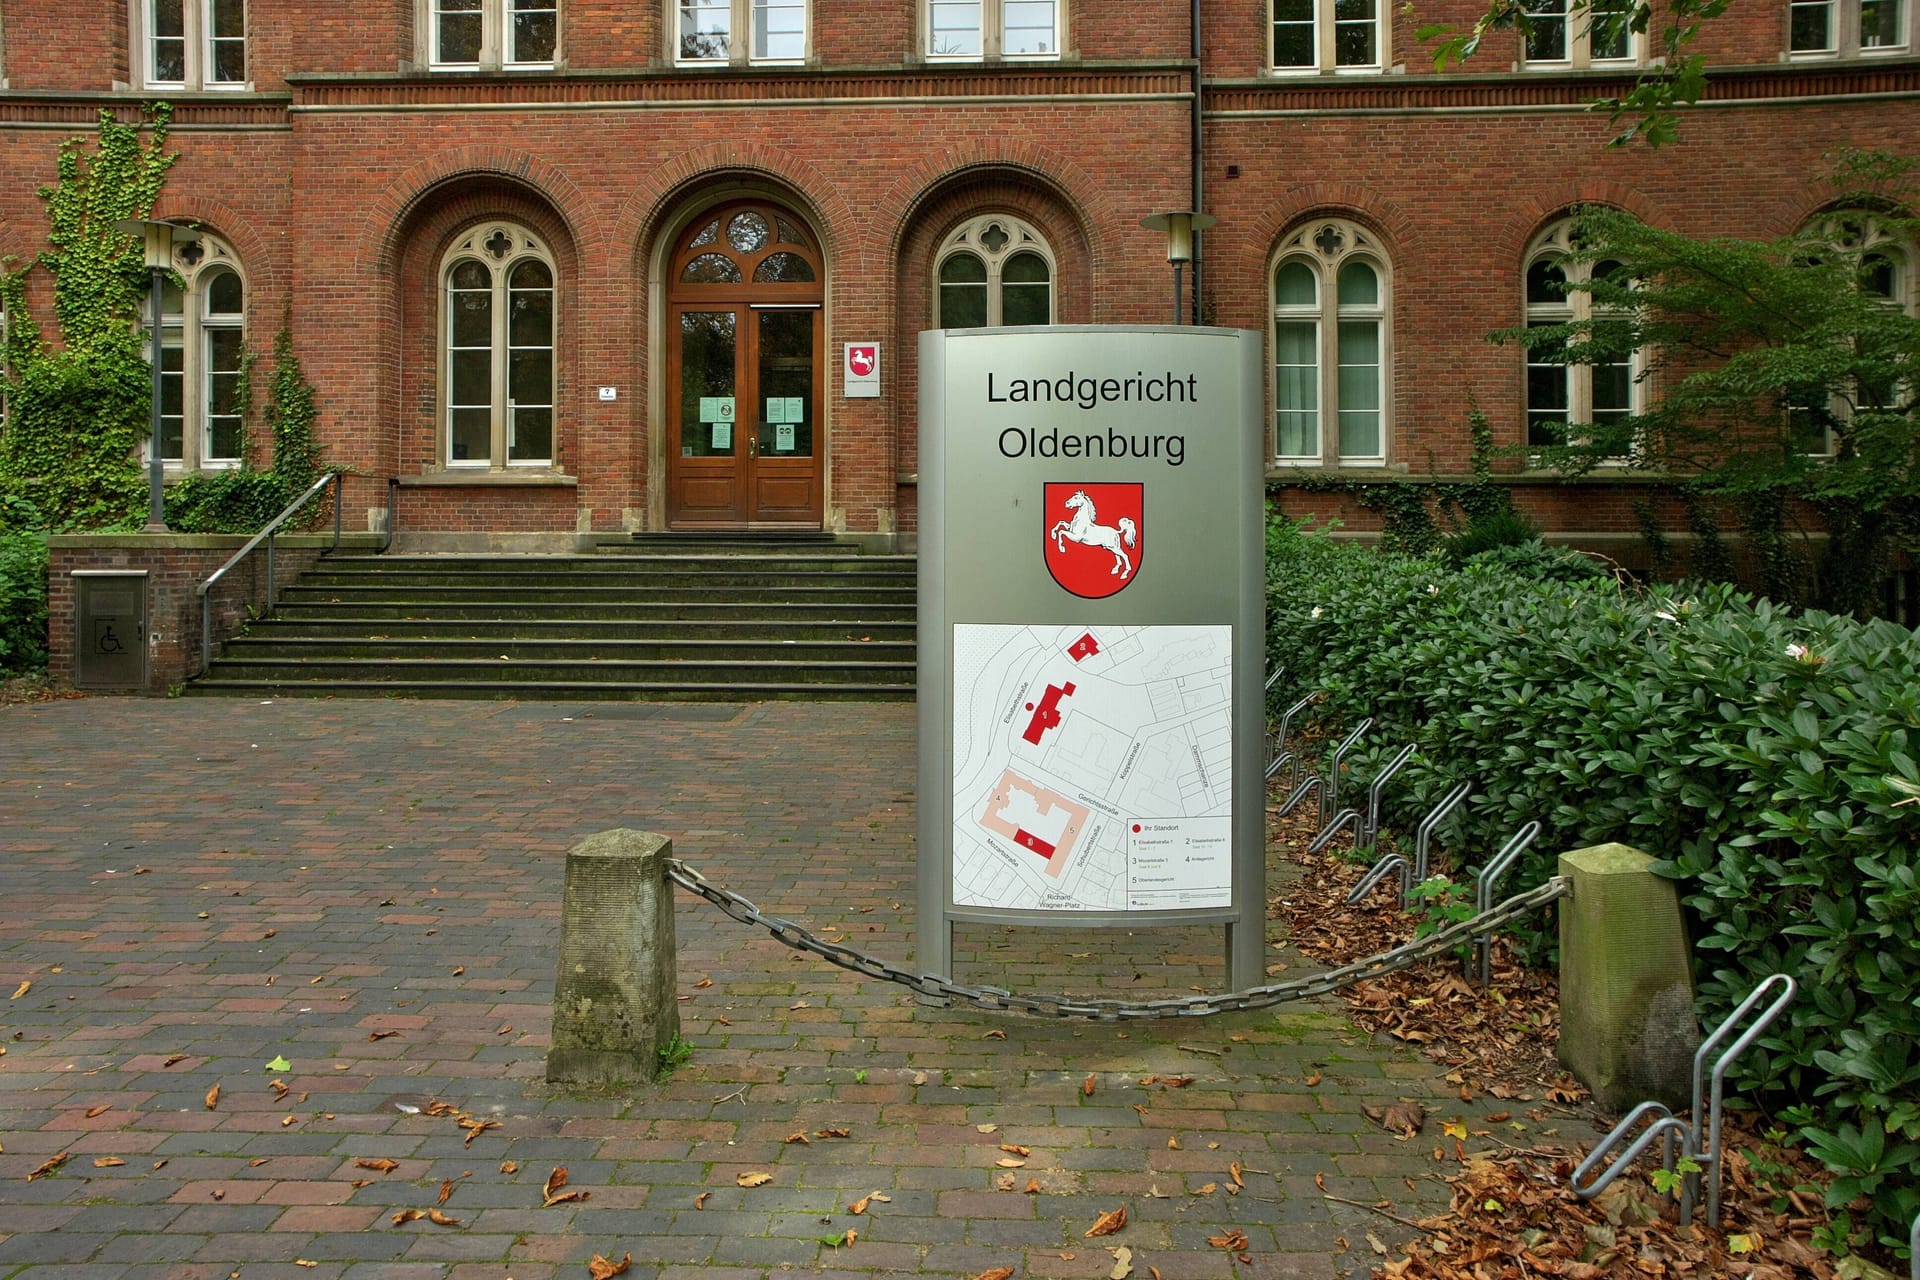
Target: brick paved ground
{"x":194,"y":888}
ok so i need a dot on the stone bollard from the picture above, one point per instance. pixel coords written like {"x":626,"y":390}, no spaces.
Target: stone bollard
{"x":1627,"y":1029}
{"x":613,"y":997}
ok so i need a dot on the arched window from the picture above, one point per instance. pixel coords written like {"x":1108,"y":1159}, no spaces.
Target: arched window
{"x":202,"y":346}
{"x":1563,"y":395}
{"x":1883,"y":267}
{"x":497,"y":367}
{"x":1330,"y":346}
{"x":993,"y":270}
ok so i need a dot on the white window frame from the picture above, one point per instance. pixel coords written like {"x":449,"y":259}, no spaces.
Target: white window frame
{"x":741,"y":16}
{"x":1324,"y":246}
{"x":974,"y":236}
{"x":1326,"y":23}
{"x":471,"y":247}
{"x":1862,"y":235}
{"x":990,"y":31}
{"x":198,"y":40}
{"x":496,"y":38}
{"x":1845,"y":35}
{"x":1577,"y":32}
{"x":1555,"y":243}
{"x":196,"y":263}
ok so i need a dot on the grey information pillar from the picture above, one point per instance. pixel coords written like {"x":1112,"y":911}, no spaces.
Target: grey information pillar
{"x":1091,"y":633}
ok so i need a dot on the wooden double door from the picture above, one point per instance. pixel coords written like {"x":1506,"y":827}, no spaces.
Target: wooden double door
{"x":746,"y":372}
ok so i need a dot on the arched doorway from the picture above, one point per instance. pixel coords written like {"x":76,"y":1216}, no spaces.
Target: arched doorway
{"x":745,"y":382}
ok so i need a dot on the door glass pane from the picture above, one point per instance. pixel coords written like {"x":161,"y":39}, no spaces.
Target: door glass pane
{"x":707,"y":407}
{"x":782,"y":267}
{"x":748,"y":232}
{"x":1296,"y":389}
{"x":459,"y":31}
{"x":785,"y":408}
{"x":711,"y":268}
{"x":534,"y":32}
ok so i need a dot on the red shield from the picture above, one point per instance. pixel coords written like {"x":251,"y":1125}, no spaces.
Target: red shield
{"x":1095,"y":536}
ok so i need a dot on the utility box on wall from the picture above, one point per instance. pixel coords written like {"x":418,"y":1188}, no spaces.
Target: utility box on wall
{"x":110,"y":635}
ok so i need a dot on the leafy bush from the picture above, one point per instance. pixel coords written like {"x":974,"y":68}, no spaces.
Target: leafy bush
{"x":225,"y":501}
{"x":23,"y":602}
{"x":1535,"y":559}
{"x":1487,"y":530}
{"x":1763,"y":755}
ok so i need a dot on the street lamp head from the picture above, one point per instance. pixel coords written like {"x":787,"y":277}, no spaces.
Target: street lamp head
{"x":1179,"y":227}
{"x":159,"y":239}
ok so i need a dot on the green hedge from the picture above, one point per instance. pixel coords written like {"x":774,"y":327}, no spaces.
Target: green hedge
{"x":23,"y":602}
{"x":1763,"y":755}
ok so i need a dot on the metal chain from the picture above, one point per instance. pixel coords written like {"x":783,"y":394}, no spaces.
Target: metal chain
{"x":998,"y":1000}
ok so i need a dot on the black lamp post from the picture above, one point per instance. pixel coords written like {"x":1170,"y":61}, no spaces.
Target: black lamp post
{"x":160,"y":239}
{"x":1179,"y":227}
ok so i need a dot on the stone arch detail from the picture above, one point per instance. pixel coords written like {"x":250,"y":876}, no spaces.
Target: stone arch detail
{"x":665,"y":196}
{"x":1399,"y":233}
{"x":265,"y":277}
{"x":392,"y":212}
{"x":926,"y":179}
{"x":1529,"y":215}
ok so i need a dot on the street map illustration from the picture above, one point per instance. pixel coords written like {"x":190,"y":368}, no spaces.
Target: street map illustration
{"x":1092,"y":767}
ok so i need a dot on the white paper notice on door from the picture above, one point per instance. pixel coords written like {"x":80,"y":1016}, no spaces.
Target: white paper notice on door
{"x":722,"y":435}
{"x":716,"y":408}
{"x":783,"y":437}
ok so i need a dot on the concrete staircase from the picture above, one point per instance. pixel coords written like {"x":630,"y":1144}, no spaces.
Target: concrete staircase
{"x":666,"y":617}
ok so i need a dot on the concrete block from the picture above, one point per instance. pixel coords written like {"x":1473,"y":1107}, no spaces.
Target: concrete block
{"x":1627,"y":1029}
{"x":613,"y":996}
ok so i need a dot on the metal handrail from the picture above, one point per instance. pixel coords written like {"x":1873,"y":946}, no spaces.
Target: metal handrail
{"x":338,"y":480}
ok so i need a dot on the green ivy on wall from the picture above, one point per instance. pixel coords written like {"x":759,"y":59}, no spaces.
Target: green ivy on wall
{"x":242,"y":500}
{"x":78,"y":412}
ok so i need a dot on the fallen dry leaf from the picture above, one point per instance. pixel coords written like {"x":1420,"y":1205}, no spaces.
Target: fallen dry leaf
{"x":1235,"y":1239}
{"x":382,"y":1165}
{"x":754,"y":1178}
{"x":509,"y":1166}
{"x":1313,"y":1080}
{"x":173,"y":1058}
{"x":800,"y":1138}
{"x":48,"y":1166}
{"x":258,"y":1161}
{"x":998,"y":1273}
{"x":1013,"y":1150}
{"x":441,"y":1219}
{"x":995,"y":1034}
{"x":700,"y":1201}
{"x":1233,"y":1171}
{"x":98,"y":1111}
{"x":1032,"y":1188}
{"x":1010,"y":1162}
{"x":833,"y":1133}
{"x":1109,"y":1222}
{"x":22,"y":989}
{"x":555,"y":1180}
{"x":475,"y":1128}
{"x":213,"y":1097}
{"x":1173,"y":1144}
{"x":1207,"y":1189}
{"x":563,"y":1197}
{"x":986,"y":1128}
{"x":446,"y":1189}
{"x":1086,"y":1087}
{"x":107,"y":1162}
{"x":860,"y":1205}
{"x":408,"y":1215}
{"x":598,"y":1268}
{"x":1155,"y":1271}
{"x":1122,"y":1264}
{"x":302,"y":1262}
{"x":381,"y":1035}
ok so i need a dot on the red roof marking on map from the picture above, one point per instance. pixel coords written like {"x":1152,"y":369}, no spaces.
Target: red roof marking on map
{"x":1048,"y":715}
{"x":1027,"y":840}
{"x":1085,"y":646}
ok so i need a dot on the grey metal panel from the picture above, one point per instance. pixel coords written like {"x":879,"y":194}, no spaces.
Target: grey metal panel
{"x":982,"y":557}
{"x":110,"y":634}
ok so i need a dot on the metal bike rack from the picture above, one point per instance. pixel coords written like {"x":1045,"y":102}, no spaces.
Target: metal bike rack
{"x":1705,"y":1106}
{"x":1366,"y":828}
{"x":1380,"y":871}
{"x":1330,"y":793}
{"x":1308,"y":784}
{"x":1490,"y":875}
{"x":1281,"y":756}
{"x":1431,"y":823}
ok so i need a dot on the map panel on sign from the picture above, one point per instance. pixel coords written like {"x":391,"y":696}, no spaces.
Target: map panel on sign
{"x":1092,"y":767}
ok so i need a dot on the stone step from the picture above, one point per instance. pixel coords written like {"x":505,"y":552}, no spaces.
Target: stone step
{"x":652,"y":577}
{"x":408,"y":609}
{"x":554,"y":691}
{"x":538,"y":671}
{"x":325,"y":625}
{"x":276,"y":647}
{"x":592,"y":596}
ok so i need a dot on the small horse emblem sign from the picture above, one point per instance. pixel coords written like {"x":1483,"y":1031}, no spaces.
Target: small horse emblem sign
{"x":1095,"y":536}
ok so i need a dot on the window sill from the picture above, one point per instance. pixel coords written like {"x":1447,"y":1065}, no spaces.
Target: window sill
{"x":486,"y":477}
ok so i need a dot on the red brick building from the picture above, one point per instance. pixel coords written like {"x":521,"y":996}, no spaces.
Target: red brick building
{"x":569,"y":268}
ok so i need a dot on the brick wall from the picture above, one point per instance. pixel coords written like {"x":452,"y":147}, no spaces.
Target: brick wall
{"x":175,"y":565}
{"x":341,"y":195}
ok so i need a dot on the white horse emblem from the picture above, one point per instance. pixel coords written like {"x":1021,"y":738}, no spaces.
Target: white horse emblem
{"x":1083,"y":529}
